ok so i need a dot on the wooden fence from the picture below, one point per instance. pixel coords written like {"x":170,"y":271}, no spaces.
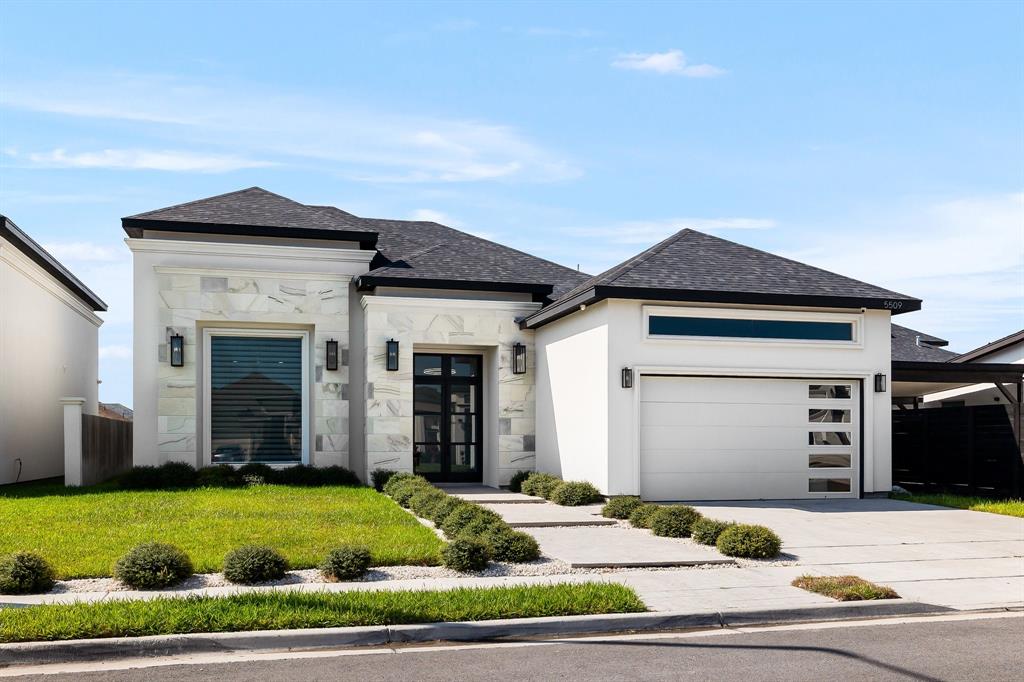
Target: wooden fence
{"x":106,"y":448}
{"x":963,"y":450}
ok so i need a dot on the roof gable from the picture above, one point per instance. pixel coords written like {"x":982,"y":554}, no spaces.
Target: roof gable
{"x":993,"y":347}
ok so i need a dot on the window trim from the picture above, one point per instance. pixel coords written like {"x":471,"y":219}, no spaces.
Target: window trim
{"x":208,"y":334}
{"x":855,"y":320}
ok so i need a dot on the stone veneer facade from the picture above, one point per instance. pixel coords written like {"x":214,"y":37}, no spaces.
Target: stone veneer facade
{"x":422,"y":324}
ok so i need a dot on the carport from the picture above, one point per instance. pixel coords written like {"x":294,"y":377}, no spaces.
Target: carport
{"x":973,"y":450}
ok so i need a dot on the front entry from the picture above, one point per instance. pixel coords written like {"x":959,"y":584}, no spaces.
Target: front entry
{"x":448,"y":417}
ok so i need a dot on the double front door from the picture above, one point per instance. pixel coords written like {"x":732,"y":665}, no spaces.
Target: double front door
{"x":448,"y":417}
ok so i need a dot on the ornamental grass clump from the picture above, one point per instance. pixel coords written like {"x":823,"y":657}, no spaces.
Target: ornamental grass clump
{"x":403,"y":491}
{"x":444,"y":509}
{"x":153,"y":565}
{"x":515,"y":484}
{"x":706,"y":531}
{"x":540,"y":485}
{"x":346,"y":563}
{"x":844,"y":587}
{"x":25,"y":573}
{"x":466,"y":554}
{"x":380,"y":477}
{"x":674,"y":521}
{"x":252,"y":564}
{"x":393,"y":480}
{"x":513,"y":546}
{"x":752,"y":542}
{"x":470,"y":518}
{"x":424,"y":502}
{"x":642,"y":515}
{"x":575,"y":494}
{"x":620,"y":507}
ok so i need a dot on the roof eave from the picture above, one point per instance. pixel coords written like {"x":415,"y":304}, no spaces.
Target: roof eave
{"x":978,"y":372}
{"x":366,"y":282}
{"x":134,"y":227}
{"x":993,"y":347}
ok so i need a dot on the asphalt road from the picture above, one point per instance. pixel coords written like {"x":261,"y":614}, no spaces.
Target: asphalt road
{"x":987,"y":649}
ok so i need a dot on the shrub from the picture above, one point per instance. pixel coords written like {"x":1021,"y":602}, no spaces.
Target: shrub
{"x":219,"y":476}
{"x":674,"y":521}
{"x":299,"y":475}
{"x":25,"y":573}
{"x":254,"y":564}
{"x":620,"y":507}
{"x":380,"y":477}
{"x":515,"y":484}
{"x":540,"y":485}
{"x":575,"y":494}
{"x":255,"y":473}
{"x":346,"y":563}
{"x":706,"y":531}
{"x":466,"y":514}
{"x":394,"y":480}
{"x":445,"y":508}
{"x":406,"y":488}
{"x":641,"y":516}
{"x":336,"y":475}
{"x":176,"y":475}
{"x":466,"y":554}
{"x":153,"y":565}
{"x":754,"y":542}
{"x":512,"y":545}
{"x":424,"y":502}
{"x":140,"y":478}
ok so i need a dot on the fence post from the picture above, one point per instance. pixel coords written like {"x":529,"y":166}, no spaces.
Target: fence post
{"x":72,"y":440}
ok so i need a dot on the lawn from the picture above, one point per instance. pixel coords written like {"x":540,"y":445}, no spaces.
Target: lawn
{"x":83,"y":532}
{"x":985,"y":504}
{"x":290,"y":610}
{"x":844,"y":587}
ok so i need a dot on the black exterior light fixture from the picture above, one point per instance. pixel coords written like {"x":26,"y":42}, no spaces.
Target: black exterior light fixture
{"x":177,"y":350}
{"x":627,"y":377}
{"x":518,"y":358}
{"x":332,"y":355}
{"x":879,"y":383}
{"x":391,"y":356}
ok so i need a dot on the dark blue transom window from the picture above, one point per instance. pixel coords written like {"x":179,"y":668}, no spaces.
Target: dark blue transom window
{"x":665,"y":325}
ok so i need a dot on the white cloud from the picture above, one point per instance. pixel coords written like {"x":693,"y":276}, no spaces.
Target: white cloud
{"x":144,"y":159}
{"x":83,"y":252}
{"x":670,"y":62}
{"x":115,"y":352}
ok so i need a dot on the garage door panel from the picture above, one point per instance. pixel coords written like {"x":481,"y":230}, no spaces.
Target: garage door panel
{"x":790,"y":461}
{"x":726,"y":391}
{"x":721,"y":486}
{"x":697,"y":414}
{"x":729,"y":437}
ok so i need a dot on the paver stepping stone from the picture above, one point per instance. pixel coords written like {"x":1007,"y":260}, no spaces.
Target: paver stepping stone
{"x":547,"y":514}
{"x":597,"y":547}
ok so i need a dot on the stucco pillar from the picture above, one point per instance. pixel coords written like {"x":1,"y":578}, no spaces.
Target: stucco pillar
{"x":72,"y":440}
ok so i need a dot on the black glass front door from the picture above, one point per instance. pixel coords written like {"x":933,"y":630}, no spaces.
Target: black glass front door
{"x":447,"y":417}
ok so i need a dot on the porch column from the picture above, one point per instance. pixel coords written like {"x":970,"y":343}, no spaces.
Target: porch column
{"x":72,"y":440}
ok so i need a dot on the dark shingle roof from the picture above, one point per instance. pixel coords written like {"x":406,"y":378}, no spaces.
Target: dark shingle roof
{"x":989,"y":348}
{"x":422,"y":253}
{"x":252,"y":211}
{"x":28,"y":246}
{"x":909,"y":345}
{"x":693,"y":266}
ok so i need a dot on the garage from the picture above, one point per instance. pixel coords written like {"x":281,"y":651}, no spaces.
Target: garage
{"x":746,"y":438}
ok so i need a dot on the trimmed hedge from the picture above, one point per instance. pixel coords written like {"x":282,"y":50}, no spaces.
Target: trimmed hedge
{"x":444,"y":510}
{"x":394,"y":480}
{"x":752,"y":542}
{"x":641,"y":516}
{"x":471,"y":517}
{"x":153,"y":565}
{"x":540,"y":484}
{"x":346,"y":563}
{"x":512,"y":545}
{"x":179,"y":475}
{"x":403,"y":491}
{"x":706,"y":531}
{"x":424,"y":503}
{"x":466,"y":554}
{"x":140,"y":478}
{"x":255,"y":473}
{"x":176,"y":475}
{"x":515,"y":484}
{"x":620,"y":507}
{"x":219,"y":476}
{"x":575,"y":494}
{"x":674,"y":521}
{"x":251,"y":564}
{"x":25,"y":573}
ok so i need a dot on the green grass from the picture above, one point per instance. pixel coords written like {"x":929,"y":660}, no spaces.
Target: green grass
{"x":844,"y":587}
{"x":985,"y":504}
{"x":83,"y":532}
{"x":290,"y":610}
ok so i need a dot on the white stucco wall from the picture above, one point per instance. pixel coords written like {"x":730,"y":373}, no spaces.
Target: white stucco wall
{"x":627,"y":345}
{"x":185,"y":287}
{"x":48,"y":350}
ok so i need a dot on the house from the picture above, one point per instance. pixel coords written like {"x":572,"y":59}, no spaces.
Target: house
{"x":270,"y":330}
{"x":115,"y":411}
{"x":1007,"y":350}
{"x":49,"y":340}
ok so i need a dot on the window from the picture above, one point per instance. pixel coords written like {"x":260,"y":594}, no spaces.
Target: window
{"x":828,"y":416}
{"x":830,"y":391}
{"x":829,"y":485}
{"x":255,"y":397}
{"x":829,"y":461}
{"x":801,"y":330}
{"x":828,"y":438}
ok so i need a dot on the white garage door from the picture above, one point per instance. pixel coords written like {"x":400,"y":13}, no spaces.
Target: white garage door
{"x":713,"y":438}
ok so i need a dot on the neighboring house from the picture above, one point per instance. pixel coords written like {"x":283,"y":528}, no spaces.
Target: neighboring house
{"x":1007,"y":350}
{"x":115,"y":411}
{"x":269,"y":330}
{"x":48,"y":351}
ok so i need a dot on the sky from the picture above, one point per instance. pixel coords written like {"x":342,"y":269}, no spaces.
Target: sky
{"x":884,"y":141}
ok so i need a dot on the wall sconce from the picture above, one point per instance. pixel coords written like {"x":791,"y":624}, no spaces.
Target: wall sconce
{"x":177,"y":351}
{"x":332,"y":355}
{"x":391,"y":356}
{"x":518,"y":358}
{"x":879,"y":383}
{"x":627,"y":377}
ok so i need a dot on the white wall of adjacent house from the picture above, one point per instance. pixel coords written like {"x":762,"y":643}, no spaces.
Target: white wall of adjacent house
{"x":48,"y":351}
{"x":741,"y":367}
{"x":979,"y":394}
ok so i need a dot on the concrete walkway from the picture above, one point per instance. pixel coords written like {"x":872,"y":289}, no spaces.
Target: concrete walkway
{"x":549,"y":515}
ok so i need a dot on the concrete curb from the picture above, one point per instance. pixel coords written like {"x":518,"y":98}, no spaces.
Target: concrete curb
{"x":42,"y":653}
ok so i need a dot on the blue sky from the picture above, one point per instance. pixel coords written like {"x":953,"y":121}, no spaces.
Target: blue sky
{"x":881,"y":140}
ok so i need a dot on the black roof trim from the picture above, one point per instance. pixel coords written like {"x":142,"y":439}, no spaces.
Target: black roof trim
{"x":135,"y":226}
{"x":43,"y":259}
{"x":366,"y":282}
{"x":939,"y":372}
{"x":993,"y":347}
{"x":597,"y":293}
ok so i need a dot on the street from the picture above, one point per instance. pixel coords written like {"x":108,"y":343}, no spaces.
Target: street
{"x":956,"y":647}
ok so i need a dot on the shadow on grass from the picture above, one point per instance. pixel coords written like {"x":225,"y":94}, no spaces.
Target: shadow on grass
{"x":52,"y":487}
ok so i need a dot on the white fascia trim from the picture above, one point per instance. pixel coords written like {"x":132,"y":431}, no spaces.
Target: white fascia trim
{"x":463,"y":303}
{"x":751,"y":372}
{"x":249,"y":250}
{"x":230,"y":272}
{"x":19,"y":262}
